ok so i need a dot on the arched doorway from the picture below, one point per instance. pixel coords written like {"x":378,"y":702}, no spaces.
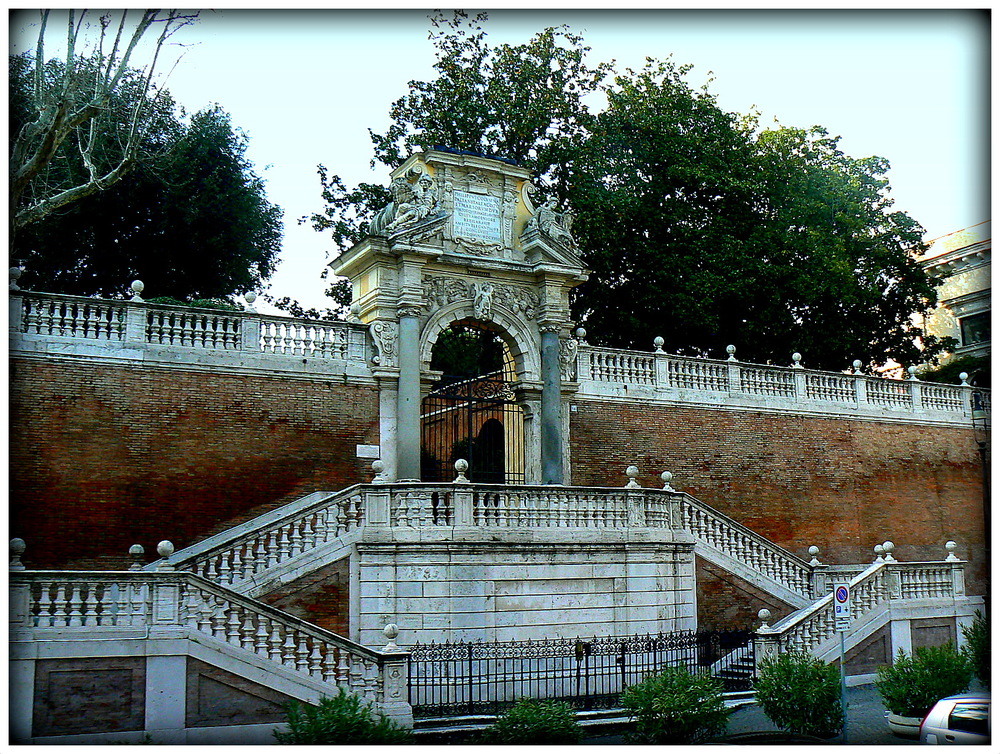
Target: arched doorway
{"x":471,"y":411}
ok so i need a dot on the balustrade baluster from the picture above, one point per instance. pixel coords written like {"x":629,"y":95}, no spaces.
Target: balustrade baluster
{"x":205,"y":611}
{"x":288,"y":649}
{"x":330,"y":666}
{"x":302,"y":656}
{"x":316,"y":660}
{"x":232,"y":625}
{"x":284,"y":545}
{"x":322,"y":531}
{"x":75,"y":603}
{"x":237,"y":563}
{"x":261,"y":647}
{"x":259,"y":553}
{"x":225,"y":572}
{"x":192,"y":608}
{"x":44,"y":617}
{"x":247,"y":633}
{"x":274,"y":644}
{"x":343,"y":669}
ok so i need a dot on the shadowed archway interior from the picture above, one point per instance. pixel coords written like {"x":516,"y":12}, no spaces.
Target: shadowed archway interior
{"x":472,"y":412}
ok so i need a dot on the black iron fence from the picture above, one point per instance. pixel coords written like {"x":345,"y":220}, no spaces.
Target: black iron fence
{"x":462,"y":678}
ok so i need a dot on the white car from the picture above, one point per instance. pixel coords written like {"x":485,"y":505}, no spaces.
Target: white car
{"x":959,"y":719}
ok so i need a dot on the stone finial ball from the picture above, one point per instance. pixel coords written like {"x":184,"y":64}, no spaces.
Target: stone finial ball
{"x":632,"y":472}
{"x":165,"y":548}
{"x":250,"y":297}
{"x":878,"y":550}
{"x":951,"y":545}
{"x":814,"y":551}
{"x":461,"y":465}
{"x":666,"y":476}
{"x":730,"y":350}
{"x":378,"y":466}
{"x":138,"y":287}
{"x":911,"y":370}
{"x":391,"y":631}
{"x":658,"y":342}
{"x":17,"y":546}
{"x":581,"y":333}
{"x":764,"y":614}
{"x":888,"y":546}
{"x":15,"y":273}
{"x":857,"y":364}
{"x":137,"y":550}
{"x":796,"y":356}
{"x":963,"y":376}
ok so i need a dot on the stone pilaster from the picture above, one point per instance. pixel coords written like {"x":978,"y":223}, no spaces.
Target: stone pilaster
{"x":551,"y":413}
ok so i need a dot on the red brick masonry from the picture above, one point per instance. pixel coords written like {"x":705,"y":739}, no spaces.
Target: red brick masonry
{"x":841,"y":485}
{"x":104,"y":456}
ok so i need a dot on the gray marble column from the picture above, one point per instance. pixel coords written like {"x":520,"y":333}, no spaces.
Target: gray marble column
{"x":408,"y":399}
{"x":551,"y":414}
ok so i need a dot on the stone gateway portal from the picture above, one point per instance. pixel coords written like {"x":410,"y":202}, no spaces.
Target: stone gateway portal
{"x":462,"y":242}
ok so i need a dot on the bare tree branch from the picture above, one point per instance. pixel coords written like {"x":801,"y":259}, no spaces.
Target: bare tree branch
{"x":73,"y":105}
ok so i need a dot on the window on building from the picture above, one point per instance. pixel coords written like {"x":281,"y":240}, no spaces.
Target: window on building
{"x":975,"y":329}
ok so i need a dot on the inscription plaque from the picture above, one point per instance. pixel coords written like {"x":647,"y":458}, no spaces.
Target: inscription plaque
{"x":477,"y":216}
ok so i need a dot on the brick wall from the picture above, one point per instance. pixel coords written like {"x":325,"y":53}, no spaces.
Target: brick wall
{"x":841,"y":485}
{"x":103,"y":456}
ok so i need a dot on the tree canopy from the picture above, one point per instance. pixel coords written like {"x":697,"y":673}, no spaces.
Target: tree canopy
{"x":191,"y":220}
{"x":697,"y":224}
{"x":85,"y":118}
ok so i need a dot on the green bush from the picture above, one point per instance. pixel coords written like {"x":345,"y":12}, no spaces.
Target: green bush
{"x":342,"y":719}
{"x":675,"y":707}
{"x":198,"y":303}
{"x":912,"y":684}
{"x":977,"y":647}
{"x":532,"y":721}
{"x":800,"y":694}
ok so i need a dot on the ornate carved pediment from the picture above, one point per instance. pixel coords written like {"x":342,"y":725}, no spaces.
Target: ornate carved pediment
{"x":482,"y":295}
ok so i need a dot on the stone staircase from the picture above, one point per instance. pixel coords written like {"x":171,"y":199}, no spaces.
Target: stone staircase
{"x":207,"y":596}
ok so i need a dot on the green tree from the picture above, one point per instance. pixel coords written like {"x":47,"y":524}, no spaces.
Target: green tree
{"x":73,"y":109}
{"x":522,"y":102}
{"x":194,"y":223}
{"x":696,"y":224}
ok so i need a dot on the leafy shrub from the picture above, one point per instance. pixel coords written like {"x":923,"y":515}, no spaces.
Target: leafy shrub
{"x":977,"y":647}
{"x":532,"y":721}
{"x":198,"y":303}
{"x":675,"y":706}
{"x":342,"y":719}
{"x":912,"y":684}
{"x":800,"y":694}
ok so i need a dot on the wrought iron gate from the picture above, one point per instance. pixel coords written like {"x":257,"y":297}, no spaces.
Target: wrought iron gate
{"x":476,"y":419}
{"x":461,"y":678}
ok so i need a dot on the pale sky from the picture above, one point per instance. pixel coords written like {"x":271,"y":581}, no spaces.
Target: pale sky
{"x":908,"y":85}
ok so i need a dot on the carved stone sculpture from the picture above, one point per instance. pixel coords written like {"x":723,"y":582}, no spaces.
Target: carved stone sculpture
{"x":411,"y":204}
{"x":567,"y":358}
{"x":385,"y":335}
{"x":554,"y":224}
{"x":482,"y":301}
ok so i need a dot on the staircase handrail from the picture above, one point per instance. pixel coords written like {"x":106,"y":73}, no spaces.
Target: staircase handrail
{"x":774,"y":561}
{"x":92,"y":601}
{"x":271,"y":538}
{"x":880,"y":581}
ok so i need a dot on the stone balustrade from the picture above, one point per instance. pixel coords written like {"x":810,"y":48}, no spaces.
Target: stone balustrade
{"x":606,"y":373}
{"x":131,"y":329}
{"x":243,"y":556}
{"x":76,"y":606}
{"x":138,"y":330}
{"x":879,"y":583}
{"x":257,"y":552}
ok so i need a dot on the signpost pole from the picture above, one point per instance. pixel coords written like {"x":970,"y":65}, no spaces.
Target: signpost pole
{"x":842,"y":622}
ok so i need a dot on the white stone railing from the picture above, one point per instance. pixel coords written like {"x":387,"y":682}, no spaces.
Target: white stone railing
{"x":881,"y":582}
{"x":605,"y":373}
{"x":74,"y":605}
{"x":253,"y":554}
{"x":244,"y":556}
{"x":734,"y":540}
{"x":47,"y":322}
